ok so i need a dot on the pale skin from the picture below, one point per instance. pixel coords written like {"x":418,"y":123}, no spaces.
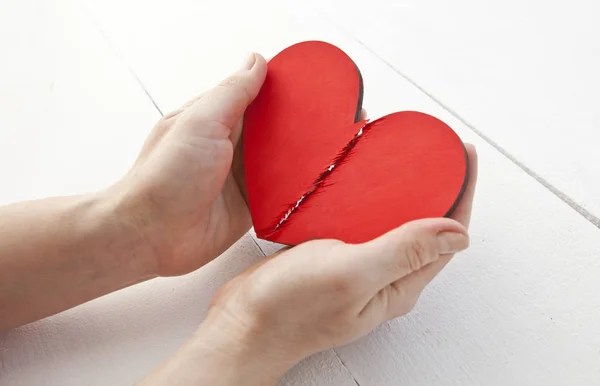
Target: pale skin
{"x":181,"y":205}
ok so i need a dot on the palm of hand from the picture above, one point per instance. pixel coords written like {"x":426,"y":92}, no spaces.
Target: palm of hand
{"x":184,"y":194}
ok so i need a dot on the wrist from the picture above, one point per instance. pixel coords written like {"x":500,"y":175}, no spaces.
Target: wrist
{"x":64,"y":251}
{"x":218,"y":356}
{"x":243,"y":350}
{"x":126,"y":243}
{"x":136,"y":209}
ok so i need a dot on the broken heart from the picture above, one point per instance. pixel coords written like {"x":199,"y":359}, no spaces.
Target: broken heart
{"x":314,"y":171}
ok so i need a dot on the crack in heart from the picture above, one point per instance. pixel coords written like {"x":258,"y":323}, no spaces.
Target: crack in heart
{"x":318,"y":183}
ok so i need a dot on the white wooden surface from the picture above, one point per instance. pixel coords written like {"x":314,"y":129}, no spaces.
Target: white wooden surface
{"x":519,"y":308}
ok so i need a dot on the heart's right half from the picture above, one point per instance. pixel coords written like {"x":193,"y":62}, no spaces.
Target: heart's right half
{"x":313,"y":171}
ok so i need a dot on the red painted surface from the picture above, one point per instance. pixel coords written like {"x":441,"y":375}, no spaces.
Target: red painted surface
{"x":405,"y":166}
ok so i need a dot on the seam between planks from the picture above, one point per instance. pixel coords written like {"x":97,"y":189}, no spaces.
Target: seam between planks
{"x":345,"y":367}
{"x":111,"y":45}
{"x":257,"y":245}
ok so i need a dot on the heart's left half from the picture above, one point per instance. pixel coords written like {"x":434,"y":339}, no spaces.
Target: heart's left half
{"x":313,"y":171}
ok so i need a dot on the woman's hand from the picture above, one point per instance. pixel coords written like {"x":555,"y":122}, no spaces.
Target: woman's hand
{"x":318,"y":295}
{"x":182,"y":193}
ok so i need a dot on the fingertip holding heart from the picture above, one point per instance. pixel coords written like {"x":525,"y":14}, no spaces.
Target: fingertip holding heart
{"x":316,"y":169}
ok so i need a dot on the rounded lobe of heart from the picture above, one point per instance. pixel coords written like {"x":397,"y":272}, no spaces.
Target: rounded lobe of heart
{"x":299,"y":121}
{"x":406,"y":166}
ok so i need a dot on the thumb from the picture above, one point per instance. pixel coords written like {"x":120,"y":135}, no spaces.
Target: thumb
{"x":409,"y":248}
{"x":217,"y":112}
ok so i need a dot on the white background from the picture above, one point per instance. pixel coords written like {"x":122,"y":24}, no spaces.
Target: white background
{"x":519,"y":79}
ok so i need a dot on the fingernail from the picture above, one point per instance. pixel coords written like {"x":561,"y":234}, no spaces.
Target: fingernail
{"x":249,"y":61}
{"x":451,"y":242}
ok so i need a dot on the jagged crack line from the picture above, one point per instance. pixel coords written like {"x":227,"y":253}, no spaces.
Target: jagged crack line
{"x":319,"y":182}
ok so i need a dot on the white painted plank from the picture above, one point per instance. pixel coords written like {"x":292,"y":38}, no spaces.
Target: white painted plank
{"x":72,"y":120}
{"x":525,"y":73}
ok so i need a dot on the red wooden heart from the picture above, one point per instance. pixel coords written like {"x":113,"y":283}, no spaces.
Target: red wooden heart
{"x":313,"y":171}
